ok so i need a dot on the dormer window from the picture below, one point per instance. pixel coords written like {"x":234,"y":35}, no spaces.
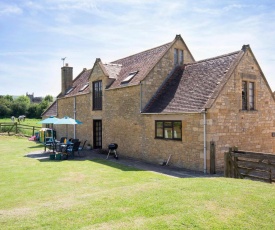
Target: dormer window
{"x":84,"y":87}
{"x":70,"y":90}
{"x":129,"y":77}
{"x":178,"y":57}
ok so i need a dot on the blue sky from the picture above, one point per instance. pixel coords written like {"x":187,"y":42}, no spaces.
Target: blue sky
{"x":35,"y":35}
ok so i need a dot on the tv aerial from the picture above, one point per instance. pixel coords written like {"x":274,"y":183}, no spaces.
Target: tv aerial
{"x":63,"y":59}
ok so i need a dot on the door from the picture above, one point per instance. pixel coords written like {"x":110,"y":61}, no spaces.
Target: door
{"x":97,"y":134}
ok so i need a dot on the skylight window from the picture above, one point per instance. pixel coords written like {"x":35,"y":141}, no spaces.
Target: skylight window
{"x":129,"y":77}
{"x":84,"y":87}
{"x":70,"y":90}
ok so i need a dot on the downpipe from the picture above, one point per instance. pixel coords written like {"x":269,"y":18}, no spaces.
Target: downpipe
{"x":204,"y":142}
{"x":140,"y":96}
{"x":74,"y":114}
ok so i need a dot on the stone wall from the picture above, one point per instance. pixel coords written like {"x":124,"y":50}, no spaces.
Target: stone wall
{"x":135,"y":132}
{"x":82,"y":107}
{"x":122,"y":120}
{"x":187,"y":153}
{"x":228,"y":125}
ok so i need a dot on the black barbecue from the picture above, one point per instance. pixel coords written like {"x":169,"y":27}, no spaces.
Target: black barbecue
{"x":112,"y":149}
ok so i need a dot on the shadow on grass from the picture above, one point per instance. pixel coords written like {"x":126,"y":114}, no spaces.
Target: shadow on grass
{"x":124,"y":164}
{"x":116,"y":165}
{"x":44,"y":157}
{"x":37,"y":146}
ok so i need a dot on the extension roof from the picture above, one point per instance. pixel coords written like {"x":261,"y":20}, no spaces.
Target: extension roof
{"x":51,"y":110}
{"x":195,"y":86}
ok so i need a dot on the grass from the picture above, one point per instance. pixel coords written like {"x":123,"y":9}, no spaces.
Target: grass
{"x":100,"y":194}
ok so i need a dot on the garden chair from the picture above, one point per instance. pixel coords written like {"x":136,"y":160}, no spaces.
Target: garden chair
{"x":71,"y":149}
{"x":81,"y":148}
{"x":59,"y":143}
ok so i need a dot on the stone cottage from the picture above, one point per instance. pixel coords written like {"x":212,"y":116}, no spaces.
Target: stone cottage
{"x":161,"y":104}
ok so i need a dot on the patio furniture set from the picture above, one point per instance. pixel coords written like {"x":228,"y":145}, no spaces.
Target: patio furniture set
{"x":64,"y":148}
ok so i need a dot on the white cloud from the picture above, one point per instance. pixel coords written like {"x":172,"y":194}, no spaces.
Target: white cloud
{"x":86,"y":29}
{"x":7,"y":9}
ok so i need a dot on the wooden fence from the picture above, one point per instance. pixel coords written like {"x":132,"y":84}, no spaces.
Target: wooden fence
{"x":253,"y":165}
{"x":16,"y":128}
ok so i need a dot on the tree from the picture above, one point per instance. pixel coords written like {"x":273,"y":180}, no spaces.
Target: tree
{"x":5,"y":107}
{"x":33,"y":111}
{"x":49,"y":98}
{"x":20,"y":106}
{"x":8,"y":98}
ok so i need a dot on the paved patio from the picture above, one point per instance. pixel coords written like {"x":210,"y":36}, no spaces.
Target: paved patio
{"x":95,"y":154}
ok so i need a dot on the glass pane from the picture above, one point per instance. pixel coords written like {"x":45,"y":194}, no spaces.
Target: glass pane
{"x":181,"y":56}
{"x":177,"y":130}
{"x":159,"y":132}
{"x":168,"y":124}
{"x":175,"y":56}
{"x":244,"y":95}
{"x":168,"y":133}
{"x":251,"y":95}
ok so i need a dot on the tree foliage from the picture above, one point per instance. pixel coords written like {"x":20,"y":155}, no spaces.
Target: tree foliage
{"x":22,"y":106}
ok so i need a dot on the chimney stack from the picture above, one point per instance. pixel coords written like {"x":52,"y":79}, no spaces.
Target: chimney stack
{"x":66,"y":78}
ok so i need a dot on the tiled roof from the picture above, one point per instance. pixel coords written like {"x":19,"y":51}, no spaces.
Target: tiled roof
{"x":51,"y":110}
{"x":142,"y":62}
{"x":191,"y":87}
{"x":80,"y":81}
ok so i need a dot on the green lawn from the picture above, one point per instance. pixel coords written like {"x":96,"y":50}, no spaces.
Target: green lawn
{"x":104,"y":195}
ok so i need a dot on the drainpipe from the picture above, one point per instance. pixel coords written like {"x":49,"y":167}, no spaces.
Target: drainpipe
{"x":74,"y":113}
{"x":140,"y":96}
{"x":204,"y":142}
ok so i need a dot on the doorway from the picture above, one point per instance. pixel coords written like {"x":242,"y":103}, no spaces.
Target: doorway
{"x":97,"y":133}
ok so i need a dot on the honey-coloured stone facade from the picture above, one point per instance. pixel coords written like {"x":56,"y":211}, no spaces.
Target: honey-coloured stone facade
{"x":217,"y":118}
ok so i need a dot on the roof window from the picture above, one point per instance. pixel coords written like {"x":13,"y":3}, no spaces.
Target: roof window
{"x":84,"y":87}
{"x":129,"y":77}
{"x":70,"y":90}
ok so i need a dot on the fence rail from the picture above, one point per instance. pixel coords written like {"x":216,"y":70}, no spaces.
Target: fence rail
{"x":253,"y":165}
{"x":16,"y":127}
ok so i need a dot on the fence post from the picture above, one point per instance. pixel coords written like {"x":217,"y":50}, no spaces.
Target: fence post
{"x":235,"y":164}
{"x":16,"y":128}
{"x":212,"y":157}
{"x":226,"y":164}
{"x":33,"y":131}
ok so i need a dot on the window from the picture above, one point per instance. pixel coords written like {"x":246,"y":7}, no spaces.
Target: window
{"x":175,"y":56}
{"x":178,"y":57}
{"x":70,"y":90}
{"x":129,"y":77}
{"x":84,"y":87}
{"x":97,"y":95}
{"x":248,"y":95}
{"x":168,"y":130}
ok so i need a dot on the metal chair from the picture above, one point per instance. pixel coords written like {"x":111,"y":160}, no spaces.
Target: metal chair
{"x":59,"y":143}
{"x":81,"y":148}
{"x":71,"y":149}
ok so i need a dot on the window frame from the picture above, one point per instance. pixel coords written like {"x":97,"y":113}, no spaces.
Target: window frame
{"x":248,"y":96}
{"x":165,"y":126}
{"x":97,"y":95}
{"x":178,"y":56}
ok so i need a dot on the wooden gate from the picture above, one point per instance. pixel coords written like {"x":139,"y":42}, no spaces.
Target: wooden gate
{"x":253,"y":165}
